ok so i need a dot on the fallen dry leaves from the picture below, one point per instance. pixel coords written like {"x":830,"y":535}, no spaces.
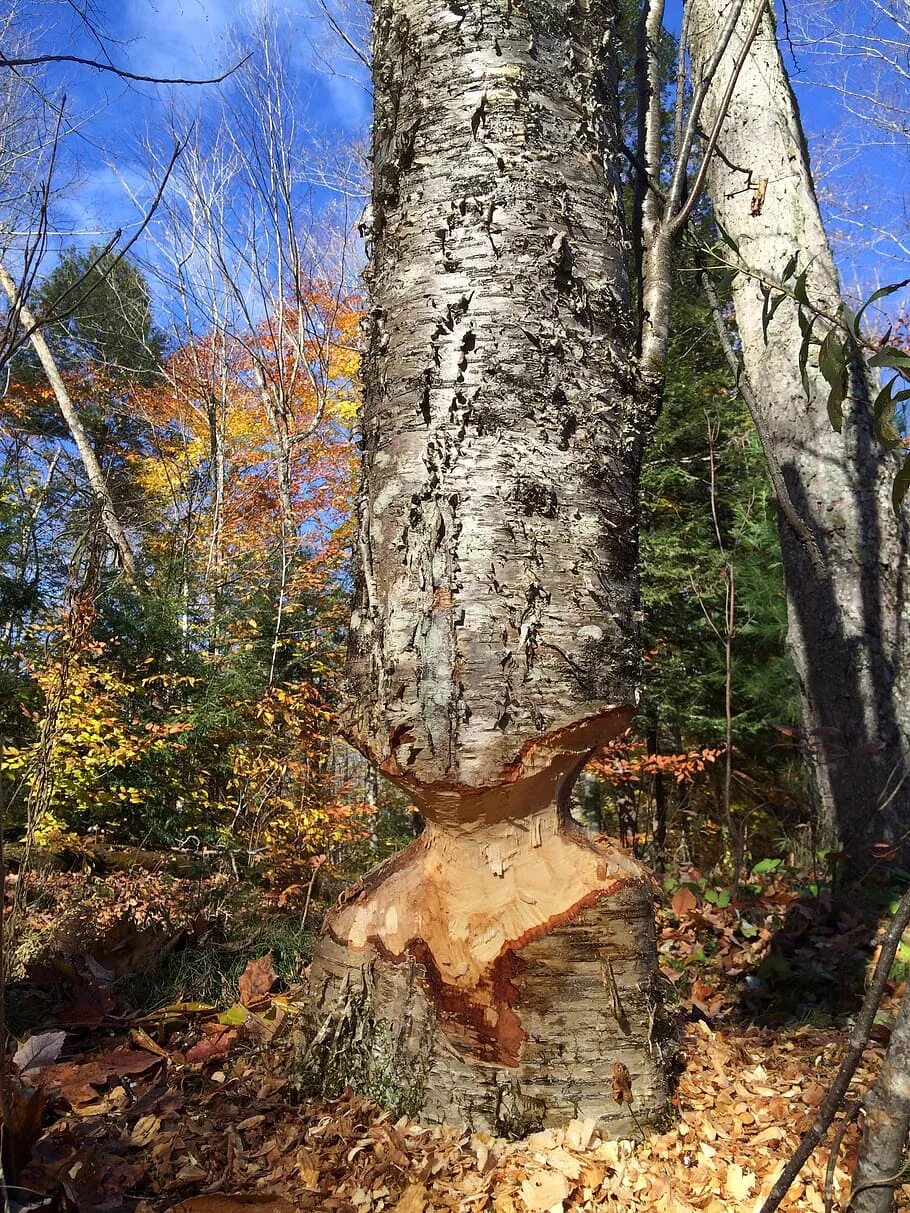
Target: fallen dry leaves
{"x":192,"y":1111}
{"x":226,"y":1135}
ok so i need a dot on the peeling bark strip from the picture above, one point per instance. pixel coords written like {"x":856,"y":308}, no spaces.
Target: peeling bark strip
{"x":494,"y":640}
{"x":847,"y":619}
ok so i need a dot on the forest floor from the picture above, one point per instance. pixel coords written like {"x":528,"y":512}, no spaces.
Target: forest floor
{"x":154,"y":1071}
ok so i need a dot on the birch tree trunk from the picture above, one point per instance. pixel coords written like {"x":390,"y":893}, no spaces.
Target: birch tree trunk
{"x":845,"y":586}
{"x":500,"y":971}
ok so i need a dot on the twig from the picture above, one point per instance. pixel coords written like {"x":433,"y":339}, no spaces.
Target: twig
{"x":700,"y":93}
{"x":850,"y":1114}
{"x":33,"y":60}
{"x":856,"y":1046}
{"x":886,"y":1181}
{"x":679,"y":220}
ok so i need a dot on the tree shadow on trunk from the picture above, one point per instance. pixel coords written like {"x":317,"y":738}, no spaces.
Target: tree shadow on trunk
{"x":817,"y":964}
{"x":853,"y":735}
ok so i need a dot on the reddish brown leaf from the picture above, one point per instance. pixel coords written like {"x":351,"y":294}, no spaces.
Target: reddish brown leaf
{"x":216,"y":1044}
{"x":77,"y":1083}
{"x":683,"y":902}
{"x":88,"y":1005}
{"x":622,"y":1083}
{"x":26,"y":1113}
{"x":257,"y":979}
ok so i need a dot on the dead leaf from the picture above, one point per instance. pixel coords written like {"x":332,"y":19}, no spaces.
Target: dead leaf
{"x":622,"y":1083}
{"x":412,"y":1200}
{"x":216,"y":1044}
{"x":814,"y":1095}
{"x":542,"y":1190}
{"x":89,"y":1004}
{"x":77,"y":1082}
{"x":140,"y":1037}
{"x":26,"y":1115}
{"x":38,"y":1051}
{"x":145,"y":1130}
{"x":257,"y":979}
{"x":683,"y":902}
{"x":261,"y":1201}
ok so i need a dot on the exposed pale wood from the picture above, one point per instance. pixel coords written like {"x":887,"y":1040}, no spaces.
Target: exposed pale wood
{"x":531,"y":1038}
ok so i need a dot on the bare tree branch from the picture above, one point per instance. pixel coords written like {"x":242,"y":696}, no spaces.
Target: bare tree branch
{"x":33,"y":60}
{"x":680,"y":220}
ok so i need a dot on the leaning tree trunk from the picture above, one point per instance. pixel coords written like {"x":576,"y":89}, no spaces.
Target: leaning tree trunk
{"x":501,"y":970}
{"x":97,"y":483}
{"x":845,"y":572}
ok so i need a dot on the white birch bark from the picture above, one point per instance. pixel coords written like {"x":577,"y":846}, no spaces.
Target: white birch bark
{"x":494,"y":636}
{"x":847,"y":620}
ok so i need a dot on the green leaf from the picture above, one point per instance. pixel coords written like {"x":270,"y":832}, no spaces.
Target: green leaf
{"x":883,"y":414}
{"x":832,"y":357}
{"x":799,"y":290}
{"x":806,"y":325}
{"x":765,"y":865}
{"x":882,"y":293}
{"x":832,"y":362}
{"x":790,"y":267}
{"x":901,"y":485}
{"x":724,"y":281}
{"x":234,"y":1016}
{"x":835,"y":406}
{"x":747,"y":930}
{"x":850,"y":320}
{"x":774,"y":966}
{"x":769,"y":307}
{"x":726,"y":237}
{"x":891,"y":357}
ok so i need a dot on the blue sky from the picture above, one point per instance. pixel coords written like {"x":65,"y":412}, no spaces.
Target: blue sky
{"x":170,"y":38}
{"x":198,"y":37}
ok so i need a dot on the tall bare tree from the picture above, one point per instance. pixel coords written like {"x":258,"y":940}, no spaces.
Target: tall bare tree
{"x":239,"y":243}
{"x":845,"y":557}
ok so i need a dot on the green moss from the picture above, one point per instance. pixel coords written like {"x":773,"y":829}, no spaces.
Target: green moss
{"x":352,"y":1047}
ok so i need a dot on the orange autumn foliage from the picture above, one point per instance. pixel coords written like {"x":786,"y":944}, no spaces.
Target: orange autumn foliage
{"x":259,"y":613}
{"x":626,"y":762}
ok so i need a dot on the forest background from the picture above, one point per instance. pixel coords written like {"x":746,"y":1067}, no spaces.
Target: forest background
{"x":182,"y":196}
{"x":176,"y":687}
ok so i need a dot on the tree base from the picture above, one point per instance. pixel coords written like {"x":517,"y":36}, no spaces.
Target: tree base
{"x":543,"y":1032}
